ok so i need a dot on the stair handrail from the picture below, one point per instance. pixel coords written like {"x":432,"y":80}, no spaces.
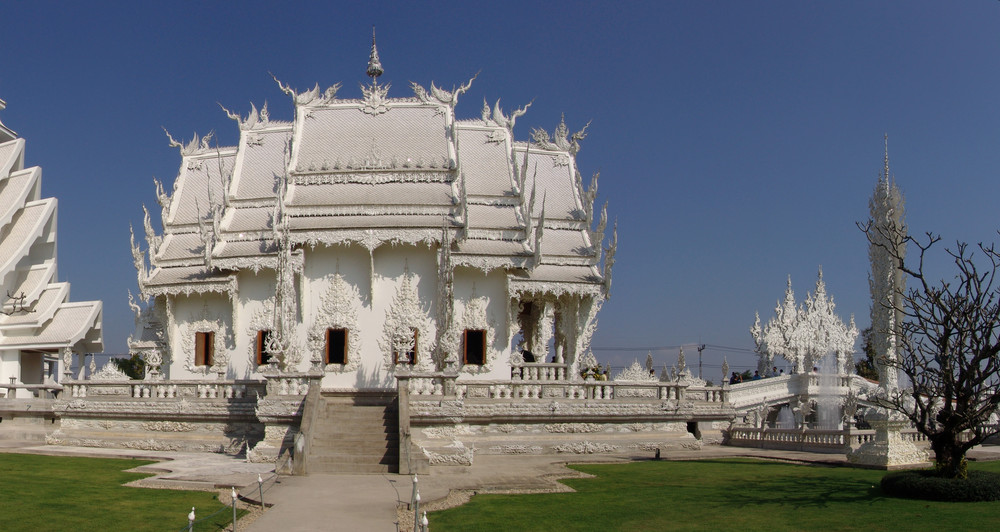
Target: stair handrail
{"x":303,"y":440}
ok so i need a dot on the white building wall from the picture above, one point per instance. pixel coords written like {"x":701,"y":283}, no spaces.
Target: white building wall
{"x":191,"y":314}
{"x":391,"y":264}
{"x":480,"y":302}
{"x":474,"y":284}
{"x":9,"y":365}
{"x":254,"y":312}
{"x":354,"y":264}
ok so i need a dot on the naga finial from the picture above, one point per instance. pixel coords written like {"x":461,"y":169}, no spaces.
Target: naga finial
{"x":374,"y":65}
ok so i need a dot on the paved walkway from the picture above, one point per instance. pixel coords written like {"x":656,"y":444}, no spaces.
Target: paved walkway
{"x":377,"y":502}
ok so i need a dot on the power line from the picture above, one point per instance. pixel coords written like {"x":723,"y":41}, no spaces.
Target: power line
{"x":653,"y":348}
{"x":671,"y":347}
{"x":728,"y":348}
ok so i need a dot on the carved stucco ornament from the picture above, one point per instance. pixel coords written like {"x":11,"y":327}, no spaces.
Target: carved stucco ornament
{"x":375,"y":99}
{"x":406,"y":315}
{"x":110,"y":372}
{"x":220,"y":355}
{"x":338,"y":310}
{"x":475,"y":317}
{"x":260,"y":320}
{"x":636,"y":373}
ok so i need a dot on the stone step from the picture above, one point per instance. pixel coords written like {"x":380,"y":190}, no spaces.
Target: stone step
{"x":322,"y":436}
{"x":344,"y":458}
{"x":347,"y":418}
{"x":355,"y":449}
{"x":334,"y":421}
{"x":344,"y":452}
{"x":356,"y":429}
{"x":347,"y":406}
{"x":328,"y":443}
{"x":355,"y":434}
{"x":374,"y":411}
{"x":354,"y":468}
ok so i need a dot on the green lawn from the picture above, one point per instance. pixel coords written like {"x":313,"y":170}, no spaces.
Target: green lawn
{"x":733,"y":494}
{"x":81,"y":494}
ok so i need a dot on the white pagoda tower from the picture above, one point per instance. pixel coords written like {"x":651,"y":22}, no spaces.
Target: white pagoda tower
{"x":40,"y":329}
{"x":888,"y":450}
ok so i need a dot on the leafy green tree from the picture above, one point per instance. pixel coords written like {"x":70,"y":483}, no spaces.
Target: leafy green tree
{"x":866,"y":367}
{"x":133,"y":366}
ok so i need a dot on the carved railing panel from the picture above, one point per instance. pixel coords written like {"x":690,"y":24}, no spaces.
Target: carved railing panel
{"x":540,"y":371}
{"x":163,"y":390}
{"x":442,"y":385}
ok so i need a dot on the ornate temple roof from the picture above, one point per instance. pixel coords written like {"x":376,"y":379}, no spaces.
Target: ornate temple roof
{"x":36,"y":312}
{"x":377,"y":170}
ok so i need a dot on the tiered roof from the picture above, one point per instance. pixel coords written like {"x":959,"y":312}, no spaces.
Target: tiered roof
{"x":36,"y":312}
{"x":379,"y":170}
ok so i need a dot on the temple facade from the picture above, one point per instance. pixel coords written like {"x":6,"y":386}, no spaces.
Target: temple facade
{"x":379,"y":285}
{"x":368,"y":237}
{"x":40,"y":328}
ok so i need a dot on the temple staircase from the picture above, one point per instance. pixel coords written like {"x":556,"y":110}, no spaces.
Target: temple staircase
{"x":354,"y":433}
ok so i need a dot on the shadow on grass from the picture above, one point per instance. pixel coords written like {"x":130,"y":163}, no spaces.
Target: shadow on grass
{"x":744,"y":483}
{"x":798,"y":485}
{"x":803,"y":492}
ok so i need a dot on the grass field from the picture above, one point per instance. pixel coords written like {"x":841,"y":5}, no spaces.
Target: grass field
{"x":732,"y":494}
{"x":83,"y":494}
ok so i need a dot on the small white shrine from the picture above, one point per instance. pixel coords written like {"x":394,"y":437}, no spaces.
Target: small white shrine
{"x":40,"y":329}
{"x":805,"y":334}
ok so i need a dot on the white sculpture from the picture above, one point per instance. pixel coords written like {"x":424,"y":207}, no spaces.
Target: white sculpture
{"x":805,"y":334}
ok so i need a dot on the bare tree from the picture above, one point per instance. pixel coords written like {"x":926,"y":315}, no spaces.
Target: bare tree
{"x":949,"y":344}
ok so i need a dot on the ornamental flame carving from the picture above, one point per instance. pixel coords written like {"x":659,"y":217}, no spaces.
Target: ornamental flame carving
{"x":405,"y":316}
{"x":474,"y":316}
{"x":220,"y":355}
{"x":338,"y":310}
{"x":635,"y":373}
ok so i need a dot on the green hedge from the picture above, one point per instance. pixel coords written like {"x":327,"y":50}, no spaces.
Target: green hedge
{"x":926,"y":484}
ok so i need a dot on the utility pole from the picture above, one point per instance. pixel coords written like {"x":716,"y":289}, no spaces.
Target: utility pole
{"x":700,"y":349}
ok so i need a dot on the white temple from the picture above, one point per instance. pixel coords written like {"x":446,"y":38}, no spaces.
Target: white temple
{"x":40,"y":329}
{"x":369,"y":236}
{"x":378,"y":286}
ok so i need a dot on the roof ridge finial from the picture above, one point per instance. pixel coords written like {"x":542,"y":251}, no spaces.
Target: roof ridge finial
{"x":886,"y":170}
{"x":374,"y":65}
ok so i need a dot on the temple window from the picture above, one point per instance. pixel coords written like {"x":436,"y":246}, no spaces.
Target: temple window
{"x":407,"y":357}
{"x":204,"y":348}
{"x":474,"y":342}
{"x":263,"y":353}
{"x":336,"y":346}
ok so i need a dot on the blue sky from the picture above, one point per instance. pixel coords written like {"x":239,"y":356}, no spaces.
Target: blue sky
{"x":738,"y":142}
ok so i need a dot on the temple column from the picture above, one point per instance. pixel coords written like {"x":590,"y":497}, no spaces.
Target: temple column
{"x":560,"y":336}
{"x":544,"y":322}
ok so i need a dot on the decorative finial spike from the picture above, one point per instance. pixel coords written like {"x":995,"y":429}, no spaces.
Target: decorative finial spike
{"x":374,"y":65}
{"x":885,"y":137}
